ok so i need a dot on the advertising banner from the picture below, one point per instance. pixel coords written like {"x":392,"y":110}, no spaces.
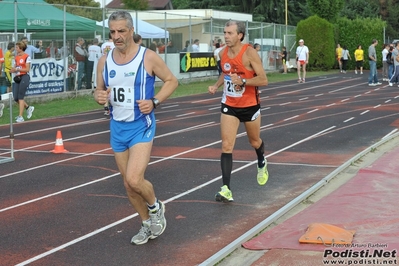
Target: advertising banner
{"x":46,"y":76}
{"x":192,"y":62}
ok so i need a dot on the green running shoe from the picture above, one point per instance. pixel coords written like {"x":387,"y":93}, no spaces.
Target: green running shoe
{"x":224,"y":195}
{"x":263,"y":174}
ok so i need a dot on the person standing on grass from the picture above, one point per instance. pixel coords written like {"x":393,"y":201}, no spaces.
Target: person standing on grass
{"x":94,"y":53}
{"x":302,"y":59}
{"x":242,"y":74}
{"x":22,"y":79}
{"x":359,"y":57}
{"x":126,"y":78}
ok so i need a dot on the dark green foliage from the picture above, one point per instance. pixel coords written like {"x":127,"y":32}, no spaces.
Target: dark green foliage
{"x":362,"y":31}
{"x":318,"y":34}
{"x":327,"y":9}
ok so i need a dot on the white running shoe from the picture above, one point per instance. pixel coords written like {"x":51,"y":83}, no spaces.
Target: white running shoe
{"x":30,"y":111}
{"x":19,"y":119}
{"x":390,"y":84}
{"x":355,"y":71}
{"x":158,"y":221}
{"x":143,"y":235}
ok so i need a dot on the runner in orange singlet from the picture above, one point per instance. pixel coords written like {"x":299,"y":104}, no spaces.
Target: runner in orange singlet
{"x":242,"y":73}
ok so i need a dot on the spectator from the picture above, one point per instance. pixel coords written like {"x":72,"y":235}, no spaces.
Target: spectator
{"x":80,"y":55}
{"x":153,"y":46}
{"x":284,"y":59}
{"x":38,"y":45}
{"x":108,"y":45}
{"x":345,"y":57}
{"x":395,"y":75}
{"x":137,"y":39}
{"x":373,"y":78}
{"x":22,"y":79}
{"x":52,"y":50}
{"x":384,"y":63}
{"x":105,"y":49}
{"x":170,"y":48}
{"x":8,"y":58}
{"x":30,"y":49}
{"x":195,"y":46}
{"x":338,"y":55}
{"x":359,"y":57}
{"x":390,"y":62}
{"x":185,"y":49}
{"x":161,"y":47}
{"x":302,"y":59}
{"x":216,"y":55}
{"x":94,"y":53}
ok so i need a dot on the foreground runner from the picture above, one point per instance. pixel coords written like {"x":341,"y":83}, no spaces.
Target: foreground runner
{"x":126,"y":77}
{"x":242,"y":74}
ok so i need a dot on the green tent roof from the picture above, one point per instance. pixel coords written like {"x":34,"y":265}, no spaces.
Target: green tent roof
{"x":37,"y":15}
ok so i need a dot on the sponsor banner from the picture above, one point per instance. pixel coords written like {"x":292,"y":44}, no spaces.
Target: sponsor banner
{"x":192,"y":62}
{"x":46,"y":76}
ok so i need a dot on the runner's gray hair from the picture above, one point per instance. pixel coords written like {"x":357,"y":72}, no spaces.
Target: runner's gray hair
{"x":121,"y":15}
{"x":240,"y":27}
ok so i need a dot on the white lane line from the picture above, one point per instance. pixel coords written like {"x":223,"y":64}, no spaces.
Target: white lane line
{"x":304,"y":98}
{"x":214,"y":108}
{"x":72,"y":242}
{"x":387,"y":101}
{"x":314,"y":110}
{"x":377,"y":106}
{"x":367,"y":92}
{"x":357,"y":96}
{"x":365,"y":112}
{"x":396,"y":97}
{"x":281,"y":104}
{"x":186,"y":114}
{"x":169,"y":106}
{"x":317,"y":95}
{"x":344,"y":100}
{"x":349,"y":119}
{"x":293,"y":117}
{"x":331,"y":104}
{"x":266,"y":108}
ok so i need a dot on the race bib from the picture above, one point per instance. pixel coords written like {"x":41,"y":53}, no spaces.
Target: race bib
{"x":231,"y":89}
{"x":122,"y":97}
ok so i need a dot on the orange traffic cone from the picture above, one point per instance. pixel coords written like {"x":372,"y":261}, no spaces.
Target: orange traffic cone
{"x":59,"y":145}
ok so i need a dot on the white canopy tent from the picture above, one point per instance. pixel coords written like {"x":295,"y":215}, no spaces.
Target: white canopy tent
{"x":145,"y":29}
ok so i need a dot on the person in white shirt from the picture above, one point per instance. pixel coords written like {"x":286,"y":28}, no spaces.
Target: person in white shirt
{"x":195,"y":46}
{"x":302,"y":58}
{"x":105,"y":49}
{"x":385,"y":65}
{"x":108,"y":45}
{"x":217,"y":56}
{"x":94,"y":54}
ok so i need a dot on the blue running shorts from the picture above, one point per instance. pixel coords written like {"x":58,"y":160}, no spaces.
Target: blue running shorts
{"x":126,"y":134}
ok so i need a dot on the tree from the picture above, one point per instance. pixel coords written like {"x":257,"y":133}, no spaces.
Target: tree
{"x":135,"y":4}
{"x":76,"y":7}
{"x":327,"y":9}
{"x":358,"y":9}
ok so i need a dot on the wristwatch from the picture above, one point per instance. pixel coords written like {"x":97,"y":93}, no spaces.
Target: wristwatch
{"x":244,"y":81}
{"x":155,"y":102}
